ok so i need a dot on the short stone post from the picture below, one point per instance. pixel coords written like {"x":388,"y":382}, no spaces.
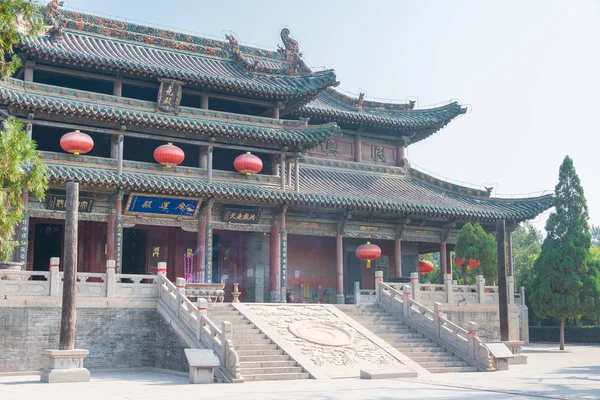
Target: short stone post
{"x":480,"y":282}
{"x":110,"y":278}
{"x":414,"y":281}
{"x":510,"y":287}
{"x":356,"y":292}
{"x":180,"y":284}
{"x":438,"y":322}
{"x":226,"y":334}
{"x":202,"y":304}
{"x":378,"y":281}
{"x":236,"y":293}
{"x":472,"y":328}
{"x":405,"y":304}
{"x":162,"y":268}
{"x":449,"y":288}
{"x":523,"y":296}
{"x":54,"y":276}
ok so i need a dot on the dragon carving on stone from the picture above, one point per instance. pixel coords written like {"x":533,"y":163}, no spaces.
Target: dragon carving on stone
{"x":291,"y":49}
{"x":51,"y":11}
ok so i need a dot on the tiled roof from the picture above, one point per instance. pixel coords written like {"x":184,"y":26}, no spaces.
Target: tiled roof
{"x":331,"y":105}
{"x":211,"y":72}
{"x":320,"y":187}
{"x":53,"y":99}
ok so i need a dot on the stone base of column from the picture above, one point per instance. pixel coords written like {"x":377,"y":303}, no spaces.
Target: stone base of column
{"x":274,"y":297}
{"x":65,"y":366}
{"x":340,"y":299}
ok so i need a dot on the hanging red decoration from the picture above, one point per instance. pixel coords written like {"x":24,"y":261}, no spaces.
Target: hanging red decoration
{"x":425,"y":266}
{"x":473,"y":264}
{"x":169,"y":155}
{"x":368,"y":252}
{"x":76,"y":142}
{"x":459,"y":261}
{"x":248,"y":164}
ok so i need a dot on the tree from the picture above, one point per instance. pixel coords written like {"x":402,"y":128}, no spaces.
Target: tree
{"x":473,"y":243}
{"x":526,"y":245}
{"x":20,"y":170}
{"x":17,"y":21}
{"x":595,"y":231}
{"x":559,"y":273}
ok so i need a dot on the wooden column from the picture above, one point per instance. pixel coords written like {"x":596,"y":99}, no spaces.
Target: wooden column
{"x":511,"y":271}
{"x":29,"y":68}
{"x":297,"y":174}
{"x":22,"y":232}
{"x":443,"y":258}
{"x":118,"y":232}
{"x":203,"y":162}
{"x":118,"y":86}
{"x":275,"y":112}
{"x":67,"y":320}
{"x":283,"y":256}
{"x":208,"y":242}
{"x":398,"y":256}
{"x":110,"y":230}
{"x":502,"y":295}
{"x":289,"y":175}
{"x":449,"y":262}
{"x":400,"y":155}
{"x":201,"y":246}
{"x":275,"y":164}
{"x":339,"y":264}
{"x":357,"y":148}
{"x":210,"y":161}
{"x":120,"y":142}
{"x":274,"y":270}
{"x":282,"y":162}
{"x":204,"y":102}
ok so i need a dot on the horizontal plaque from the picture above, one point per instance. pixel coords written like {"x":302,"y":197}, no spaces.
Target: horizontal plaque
{"x":241,"y":216}
{"x":366,"y":228}
{"x":57,"y":202}
{"x":162,"y":206}
{"x":309,"y":224}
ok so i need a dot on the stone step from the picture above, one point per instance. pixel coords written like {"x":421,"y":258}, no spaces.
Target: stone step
{"x":269,"y":370}
{"x":389,"y":328}
{"x":263,"y":358}
{"x":371,"y":322}
{"x":443,"y":364}
{"x":268,"y":364}
{"x":271,"y":352}
{"x":409,"y":340}
{"x":452,"y":369}
{"x":442,"y":357}
{"x":251,"y":341}
{"x":253,"y":336}
{"x":412,"y":346}
{"x":433,"y":348}
{"x":225,"y":317}
{"x":245,"y":329}
{"x":254,"y":347}
{"x":390,"y":337}
{"x":277,"y":377}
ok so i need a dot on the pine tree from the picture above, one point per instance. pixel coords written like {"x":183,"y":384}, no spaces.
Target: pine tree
{"x":560,"y":272}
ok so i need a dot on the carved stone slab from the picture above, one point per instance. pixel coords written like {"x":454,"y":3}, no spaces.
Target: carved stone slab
{"x":202,"y":358}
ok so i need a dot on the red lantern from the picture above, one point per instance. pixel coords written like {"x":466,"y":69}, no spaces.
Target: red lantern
{"x":76,"y":142}
{"x":248,"y":164}
{"x":425,"y":266}
{"x":169,"y":155}
{"x":368,"y":252}
{"x":472,"y":264}
{"x":459,"y":261}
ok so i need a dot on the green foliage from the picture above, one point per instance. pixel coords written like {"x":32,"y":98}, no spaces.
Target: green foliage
{"x":17,"y":21}
{"x":526,"y":245}
{"x":575,"y":334}
{"x":595,"y":231}
{"x":435,"y":275}
{"x":591,"y":286}
{"x":560,"y":285}
{"x":20,"y":169}
{"x":473,"y":243}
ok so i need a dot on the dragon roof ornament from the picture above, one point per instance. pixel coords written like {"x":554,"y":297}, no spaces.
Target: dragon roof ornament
{"x":51,"y":17}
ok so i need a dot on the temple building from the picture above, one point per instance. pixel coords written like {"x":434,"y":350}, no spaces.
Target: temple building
{"x":334,"y":173}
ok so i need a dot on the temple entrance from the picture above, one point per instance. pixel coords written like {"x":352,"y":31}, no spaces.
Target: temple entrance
{"x":134,"y":251}
{"x":353,"y":273}
{"x":47,"y":243}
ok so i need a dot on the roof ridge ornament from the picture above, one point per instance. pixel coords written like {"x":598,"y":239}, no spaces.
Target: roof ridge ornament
{"x":361,"y":100}
{"x":291,"y":51}
{"x":51,"y":13}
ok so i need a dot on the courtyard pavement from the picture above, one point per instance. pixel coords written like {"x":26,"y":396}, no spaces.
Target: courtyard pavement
{"x":572,"y":374}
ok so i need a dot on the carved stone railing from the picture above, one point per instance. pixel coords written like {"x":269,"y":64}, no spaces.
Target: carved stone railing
{"x":194,"y":318}
{"x":463,"y":343}
{"x":24,"y":283}
{"x":364,"y":296}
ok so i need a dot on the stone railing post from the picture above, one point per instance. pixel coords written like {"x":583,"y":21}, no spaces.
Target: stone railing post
{"x":449,"y":289}
{"x":202,"y":305}
{"x":180,"y":284}
{"x":54,"y":276}
{"x":378,"y":281}
{"x":480,"y":281}
{"x":510,"y":287}
{"x":356,"y":292}
{"x":438,"y":322}
{"x":414,"y":282}
{"x":472,"y":327}
{"x":406,"y":305}
{"x":523,"y":295}
{"x":110,"y":278}
{"x":161,"y":268}
{"x":226,"y":334}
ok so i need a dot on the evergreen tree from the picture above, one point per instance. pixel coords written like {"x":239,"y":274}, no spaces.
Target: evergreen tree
{"x":526,"y":245}
{"x":560,"y":272}
{"x":473,"y":243}
{"x":17,"y":21}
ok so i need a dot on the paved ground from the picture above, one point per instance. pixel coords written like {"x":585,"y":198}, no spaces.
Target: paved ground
{"x":573,"y":374}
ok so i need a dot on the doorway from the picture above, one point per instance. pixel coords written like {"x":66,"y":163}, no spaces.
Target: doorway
{"x":134,"y":251}
{"x":353,"y":272}
{"x":47,"y":243}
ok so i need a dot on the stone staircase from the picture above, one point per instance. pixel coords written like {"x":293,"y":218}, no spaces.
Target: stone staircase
{"x":410,"y":342}
{"x":260,"y":358}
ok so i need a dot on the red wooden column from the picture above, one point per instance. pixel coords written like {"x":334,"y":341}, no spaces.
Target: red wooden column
{"x":283,"y":256}
{"x":201,"y":247}
{"x":110,"y":231}
{"x":443,"y":258}
{"x":449,"y":262}
{"x":208,"y":243}
{"x":398,"y":256}
{"x":118,"y":233}
{"x":339,"y":262}
{"x":509,"y":253}
{"x":275,"y":266}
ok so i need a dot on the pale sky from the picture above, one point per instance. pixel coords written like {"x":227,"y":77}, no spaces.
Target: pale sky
{"x":528,"y":70}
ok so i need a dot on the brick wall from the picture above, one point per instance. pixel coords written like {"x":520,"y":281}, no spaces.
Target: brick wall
{"x":115,"y":338}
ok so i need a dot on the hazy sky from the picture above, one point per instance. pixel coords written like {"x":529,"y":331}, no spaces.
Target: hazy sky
{"x":528,"y":70}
